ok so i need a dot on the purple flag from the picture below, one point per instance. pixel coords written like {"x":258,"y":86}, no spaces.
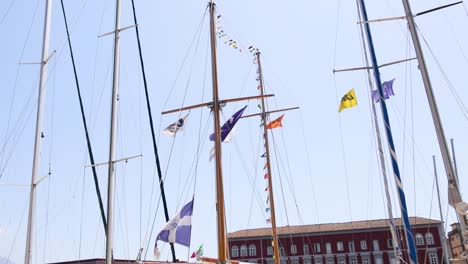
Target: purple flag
{"x":387,"y":91}
{"x":178,"y":229}
{"x":227,"y":127}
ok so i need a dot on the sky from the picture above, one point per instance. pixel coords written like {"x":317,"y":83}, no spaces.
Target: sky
{"x":325,"y":166}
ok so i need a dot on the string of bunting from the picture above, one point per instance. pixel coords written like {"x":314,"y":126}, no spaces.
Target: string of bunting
{"x":228,"y":40}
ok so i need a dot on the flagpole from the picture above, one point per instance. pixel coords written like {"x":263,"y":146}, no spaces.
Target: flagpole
{"x":221,"y":219}
{"x":396,"y":170}
{"x":38,"y":137}
{"x":113,"y":135}
{"x":269,"y":178}
{"x":454,"y":191}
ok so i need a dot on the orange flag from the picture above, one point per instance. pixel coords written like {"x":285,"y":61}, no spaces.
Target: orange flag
{"x":275,"y":123}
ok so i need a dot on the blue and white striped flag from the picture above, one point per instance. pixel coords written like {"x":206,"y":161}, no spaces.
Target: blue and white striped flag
{"x":178,"y":230}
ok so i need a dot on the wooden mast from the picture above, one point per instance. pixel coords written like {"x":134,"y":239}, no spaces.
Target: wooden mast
{"x":38,"y":137}
{"x":220,"y":210}
{"x":275,"y":243}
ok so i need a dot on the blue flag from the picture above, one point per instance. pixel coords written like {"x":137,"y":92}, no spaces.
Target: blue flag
{"x":387,"y":91}
{"x":229,"y":125}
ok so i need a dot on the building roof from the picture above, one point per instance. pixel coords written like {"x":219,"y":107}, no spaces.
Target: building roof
{"x":332,"y":227}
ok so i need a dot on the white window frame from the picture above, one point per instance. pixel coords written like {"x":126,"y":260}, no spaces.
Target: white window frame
{"x":419,"y":240}
{"x":339,"y":246}
{"x":363,"y":244}
{"x":235,"y":251}
{"x":252,"y":250}
{"x":429,"y":239}
{"x":270,"y":251}
{"x":316,"y":247}
{"x":341,"y":261}
{"x":351,"y":247}
{"x":243,"y":251}
{"x":282,"y":252}
{"x":305,"y":249}
{"x":293,"y":249}
{"x":389,"y":243}
{"x":375,"y":245}
{"x":433,"y":258}
{"x":328,"y":248}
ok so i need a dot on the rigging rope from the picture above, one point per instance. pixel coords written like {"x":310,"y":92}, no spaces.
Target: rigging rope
{"x":83,"y":118}
{"x":2,"y":165}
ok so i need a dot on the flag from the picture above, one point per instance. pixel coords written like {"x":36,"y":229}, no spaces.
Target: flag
{"x":268,"y":221}
{"x":178,"y":229}
{"x":212,"y":153}
{"x":197,"y":253}
{"x":266,"y":176}
{"x":348,"y":100}
{"x":275,"y":123}
{"x":387,"y":91}
{"x":172,"y":129}
{"x":267,"y":209}
{"x":229,"y":125}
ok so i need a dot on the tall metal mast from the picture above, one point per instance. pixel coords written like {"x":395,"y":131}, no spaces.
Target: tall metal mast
{"x":113,"y":134}
{"x":442,"y":224}
{"x":393,"y":231}
{"x":454,"y":191}
{"x":37,"y":141}
{"x":270,"y":181}
{"x":221,"y":220}
{"x":396,"y":171}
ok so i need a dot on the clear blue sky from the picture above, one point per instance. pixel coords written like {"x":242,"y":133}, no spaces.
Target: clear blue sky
{"x":328,"y":172}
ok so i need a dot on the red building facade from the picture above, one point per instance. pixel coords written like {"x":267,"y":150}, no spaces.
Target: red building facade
{"x":359,"y":242}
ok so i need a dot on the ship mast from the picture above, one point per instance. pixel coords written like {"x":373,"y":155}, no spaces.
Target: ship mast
{"x":113,"y":134}
{"x":270,"y":181}
{"x":38,"y":137}
{"x":454,"y":191}
{"x":220,"y":210}
{"x":393,"y":231}
{"x":396,"y":171}
{"x":215,"y":107}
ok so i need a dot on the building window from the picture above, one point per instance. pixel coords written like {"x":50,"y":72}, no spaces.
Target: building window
{"x":390,"y":243}
{"x":375,"y":244}
{"x":433,"y":259}
{"x":295,"y":261}
{"x":419,"y":239}
{"x":270,"y":251}
{"x":306,"y":261}
{"x":316,"y":247}
{"x":306,"y":249}
{"x":329,"y":261}
{"x":318,"y":261}
{"x":365,"y":261}
{"x":243,"y":250}
{"x":351,"y":246}
{"x":341,"y":261}
{"x":282,"y":253}
{"x":328,"y":248}
{"x":235,"y":251}
{"x":252,"y":250}
{"x":339,"y":246}
{"x":353,"y":261}
{"x":363,"y":244}
{"x":293,"y":249}
{"x":429,"y":239}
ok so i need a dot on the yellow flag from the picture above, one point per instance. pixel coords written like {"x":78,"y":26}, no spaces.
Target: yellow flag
{"x":348,"y":100}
